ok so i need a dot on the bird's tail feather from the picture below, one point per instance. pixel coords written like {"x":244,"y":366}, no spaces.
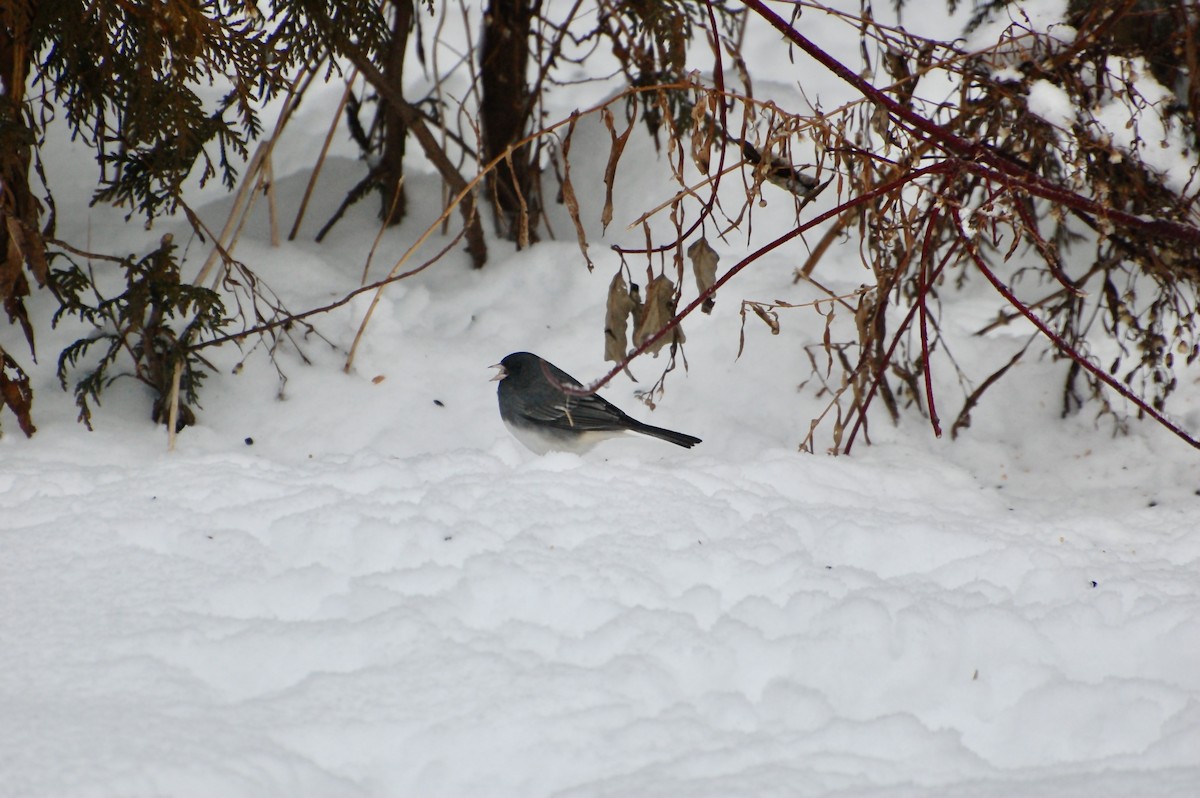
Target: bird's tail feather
{"x":677,"y":438}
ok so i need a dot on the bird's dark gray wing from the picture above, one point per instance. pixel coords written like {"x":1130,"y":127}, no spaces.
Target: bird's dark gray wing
{"x":571,"y":411}
{"x":578,"y":413}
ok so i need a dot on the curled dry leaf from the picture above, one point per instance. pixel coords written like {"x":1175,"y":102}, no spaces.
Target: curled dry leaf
{"x":16,"y":393}
{"x":766,"y":313}
{"x":616,"y":320}
{"x":22,"y":249}
{"x":29,"y":245}
{"x":704,"y":266}
{"x":656,"y":312}
{"x":568,"y":192}
{"x":614,"y":155}
{"x":769,"y":316}
{"x":702,"y":132}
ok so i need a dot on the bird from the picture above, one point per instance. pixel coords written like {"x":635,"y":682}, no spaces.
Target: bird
{"x":783,"y":174}
{"x":544,"y":417}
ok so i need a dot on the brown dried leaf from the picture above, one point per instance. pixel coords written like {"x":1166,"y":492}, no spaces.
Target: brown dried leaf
{"x":704,"y":266}
{"x":13,"y":284}
{"x":614,"y":155}
{"x":16,"y":393}
{"x":569,"y":199}
{"x":742,"y":331}
{"x":656,"y":312}
{"x":771,"y":318}
{"x":28,"y":244}
{"x":827,"y":343}
{"x":12,"y":267}
{"x":616,"y":320}
{"x":702,"y":134}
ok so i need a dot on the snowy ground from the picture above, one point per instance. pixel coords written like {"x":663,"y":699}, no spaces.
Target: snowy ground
{"x":368,"y":588}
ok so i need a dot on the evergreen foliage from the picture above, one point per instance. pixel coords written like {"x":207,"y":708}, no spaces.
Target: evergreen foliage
{"x":135,"y":82}
{"x":137,"y":323}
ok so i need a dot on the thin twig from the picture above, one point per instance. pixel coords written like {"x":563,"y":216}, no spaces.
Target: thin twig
{"x":1063,"y":346}
{"x":316,"y":171}
{"x":290,"y":319}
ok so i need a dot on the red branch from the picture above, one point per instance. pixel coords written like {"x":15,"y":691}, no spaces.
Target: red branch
{"x":963,"y":155}
{"x":861,"y":417}
{"x":1062,"y":345}
{"x":976,"y":156}
{"x":861,"y":199}
{"x":923,"y":288}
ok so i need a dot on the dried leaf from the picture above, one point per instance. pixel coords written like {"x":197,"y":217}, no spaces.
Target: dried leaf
{"x":742,"y":331}
{"x":569,"y":198}
{"x":13,"y":256}
{"x":771,"y":318}
{"x":656,"y":312}
{"x":610,"y":170}
{"x":28,"y":244}
{"x":616,"y":320}
{"x":13,"y":284}
{"x":16,"y":393}
{"x":702,"y":133}
{"x":704,"y":266}
{"x":11,"y":267}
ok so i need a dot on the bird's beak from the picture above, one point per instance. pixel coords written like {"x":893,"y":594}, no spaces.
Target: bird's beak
{"x":501,"y":374}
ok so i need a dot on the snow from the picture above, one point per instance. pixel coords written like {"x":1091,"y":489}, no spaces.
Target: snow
{"x":1051,"y":103}
{"x":366,"y":587}
{"x":1015,"y":21}
{"x":1160,"y":145}
{"x":481,"y":621}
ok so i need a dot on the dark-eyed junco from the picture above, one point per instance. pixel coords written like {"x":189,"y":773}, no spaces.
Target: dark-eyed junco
{"x":544,"y":417}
